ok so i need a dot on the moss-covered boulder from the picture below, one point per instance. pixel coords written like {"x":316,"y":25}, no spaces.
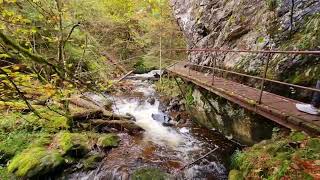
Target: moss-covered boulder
{"x":35,"y":161}
{"x":92,"y":161}
{"x":149,"y":174}
{"x":72,"y":144}
{"x":108,"y":141}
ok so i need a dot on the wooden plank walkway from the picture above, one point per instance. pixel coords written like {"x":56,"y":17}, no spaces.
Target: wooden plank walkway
{"x":274,"y":107}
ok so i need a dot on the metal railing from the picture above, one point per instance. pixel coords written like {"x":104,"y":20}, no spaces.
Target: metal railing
{"x":263,"y":79}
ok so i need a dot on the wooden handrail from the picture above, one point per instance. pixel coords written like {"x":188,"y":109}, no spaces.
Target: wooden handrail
{"x":298,"y":52}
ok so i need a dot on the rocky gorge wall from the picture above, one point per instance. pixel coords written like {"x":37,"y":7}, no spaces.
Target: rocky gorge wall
{"x":214,"y":112}
{"x":252,"y":25}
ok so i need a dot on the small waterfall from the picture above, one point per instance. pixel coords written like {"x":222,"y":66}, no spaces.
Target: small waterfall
{"x":168,"y":148}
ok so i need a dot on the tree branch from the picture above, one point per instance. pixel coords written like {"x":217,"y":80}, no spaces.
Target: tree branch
{"x":33,"y":57}
{"x":70,"y":33}
{"x":22,"y":96}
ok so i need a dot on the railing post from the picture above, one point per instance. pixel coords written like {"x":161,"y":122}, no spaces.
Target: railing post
{"x":213,"y":67}
{"x":264,"y":77}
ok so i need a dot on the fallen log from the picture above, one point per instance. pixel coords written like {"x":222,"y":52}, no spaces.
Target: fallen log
{"x":143,"y":78}
{"x":120,"y":125}
{"x":90,"y":106}
{"x":125,"y":76}
{"x":86,"y":115}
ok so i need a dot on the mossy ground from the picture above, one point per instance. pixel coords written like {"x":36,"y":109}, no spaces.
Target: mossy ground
{"x":33,"y":147}
{"x":149,"y":174}
{"x":283,"y":157}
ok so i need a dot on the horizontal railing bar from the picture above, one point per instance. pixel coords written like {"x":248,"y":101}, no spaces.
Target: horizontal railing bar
{"x":249,"y":51}
{"x":259,"y":78}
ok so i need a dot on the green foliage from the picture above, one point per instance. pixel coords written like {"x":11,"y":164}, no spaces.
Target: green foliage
{"x":272,"y":4}
{"x":168,"y":87}
{"x":51,"y":121}
{"x":149,"y":174}
{"x":108,"y":141}
{"x":189,"y":95}
{"x":275,"y":158}
{"x":235,"y":175}
{"x":309,"y":36}
{"x":5,"y":175}
{"x":140,"y":67}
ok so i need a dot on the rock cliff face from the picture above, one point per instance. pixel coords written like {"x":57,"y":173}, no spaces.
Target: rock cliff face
{"x":254,"y":25}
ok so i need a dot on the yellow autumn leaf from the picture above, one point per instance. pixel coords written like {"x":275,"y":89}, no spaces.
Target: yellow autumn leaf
{"x":15,"y":68}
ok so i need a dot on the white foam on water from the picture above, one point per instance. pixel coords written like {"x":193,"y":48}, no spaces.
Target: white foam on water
{"x":154,"y":130}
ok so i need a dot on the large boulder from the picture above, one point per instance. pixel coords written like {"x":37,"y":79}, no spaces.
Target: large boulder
{"x":36,"y":161}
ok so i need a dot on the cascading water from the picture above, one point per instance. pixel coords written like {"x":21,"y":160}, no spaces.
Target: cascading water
{"x":167,"y":148}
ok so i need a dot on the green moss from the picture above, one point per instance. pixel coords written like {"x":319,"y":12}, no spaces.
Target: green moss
{"x":52,"y":121}
{"x":72,"y":144}
{"x":35,"y":162}
{"x":15,"y":142}
{"x":235,"y":175}
{"x":5,"y":175}
{"x":149,"y":174}
{"x":92,"y":161}
{"x":274,"y":159}
{"x":108,"y":141}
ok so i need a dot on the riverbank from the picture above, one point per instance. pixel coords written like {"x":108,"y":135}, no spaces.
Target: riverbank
{"x":285,"y":156}
{"x":119,"y":134}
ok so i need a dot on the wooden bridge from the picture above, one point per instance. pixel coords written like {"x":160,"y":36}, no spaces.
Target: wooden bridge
{"x":279,"y":109}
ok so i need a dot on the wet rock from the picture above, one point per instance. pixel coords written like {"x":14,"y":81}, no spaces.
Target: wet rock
{"x":35,"y":162}
{"x":161,"y":117}
{"x":132,"y":118}
{"x":149,"y":173}
{"x":108,"y":141}
{"x":170,"y":123}
{"x":151,"y":100}
{"x":176,"y":105}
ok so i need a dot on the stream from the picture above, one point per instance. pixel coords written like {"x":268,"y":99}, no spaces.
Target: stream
{"x":167,"y":148}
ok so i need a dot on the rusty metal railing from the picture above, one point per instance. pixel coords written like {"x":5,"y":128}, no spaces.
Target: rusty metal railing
{"x":263,"y":79}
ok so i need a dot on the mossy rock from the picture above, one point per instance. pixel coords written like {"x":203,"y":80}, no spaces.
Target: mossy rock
{"x":108,"y":141}
{"x":72,"y":144}
{"x":298,"y":136}
{"x":35,"y":161}
{"x":91,"y":162}
{"x":149,"y":174}
{"x":15,"y":142}
{"x":235,"y":175}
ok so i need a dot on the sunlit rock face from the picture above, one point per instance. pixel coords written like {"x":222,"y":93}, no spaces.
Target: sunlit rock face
{"x":254,"y":25}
